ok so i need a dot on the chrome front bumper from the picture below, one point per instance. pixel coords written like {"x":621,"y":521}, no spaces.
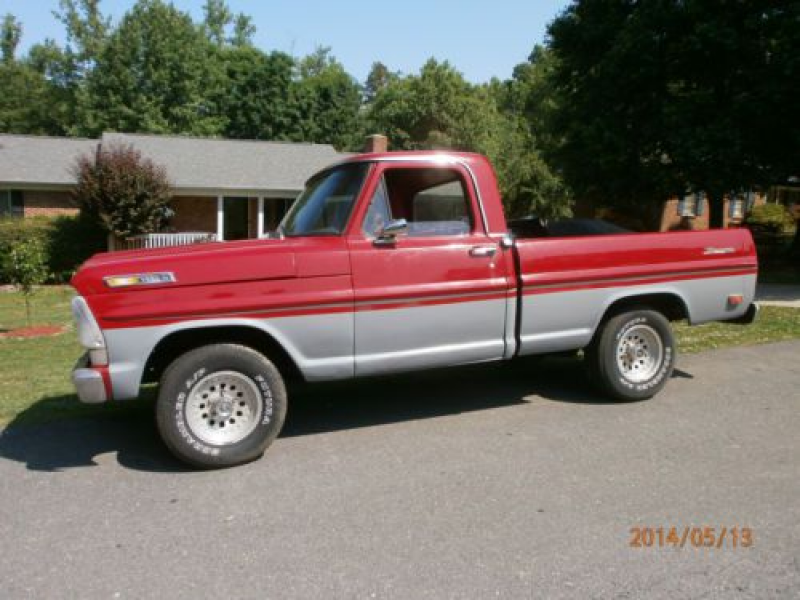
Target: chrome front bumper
{"x":88,"y":382}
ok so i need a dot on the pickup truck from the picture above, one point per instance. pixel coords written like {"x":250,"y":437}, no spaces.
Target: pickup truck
{"x":386,"y":263}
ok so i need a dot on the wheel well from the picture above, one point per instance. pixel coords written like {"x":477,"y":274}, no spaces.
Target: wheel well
{"x":175,"y":344}
{"x":671,"y":306}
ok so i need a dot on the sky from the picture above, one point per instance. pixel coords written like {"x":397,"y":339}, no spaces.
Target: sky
{"x":482,"y":39}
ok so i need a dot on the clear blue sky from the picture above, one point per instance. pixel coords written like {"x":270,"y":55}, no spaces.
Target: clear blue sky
{"x":481,"y":38}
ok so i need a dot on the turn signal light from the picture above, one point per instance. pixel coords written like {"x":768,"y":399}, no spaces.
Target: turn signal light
{"x":115,"y":281}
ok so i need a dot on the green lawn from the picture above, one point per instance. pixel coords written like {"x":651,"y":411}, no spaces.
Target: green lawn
{"x":34,"y":373}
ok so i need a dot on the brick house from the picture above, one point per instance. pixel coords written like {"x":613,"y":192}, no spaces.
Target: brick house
{"x":689,"y":211}
{"x":233,"y":189}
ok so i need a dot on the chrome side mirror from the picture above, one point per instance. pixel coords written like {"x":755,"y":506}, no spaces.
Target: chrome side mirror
{"x":388,"y":235}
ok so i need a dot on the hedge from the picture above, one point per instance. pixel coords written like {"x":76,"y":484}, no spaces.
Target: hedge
{"x":68,"y":241}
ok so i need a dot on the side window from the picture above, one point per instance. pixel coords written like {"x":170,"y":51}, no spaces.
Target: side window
{"x":434,"y":201}
{"x":378,"y":213}
{"x":11,"y":203}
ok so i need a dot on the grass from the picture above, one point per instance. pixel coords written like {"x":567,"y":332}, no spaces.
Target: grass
{"x":35,"y":381}
{"x":773,"y":324}
{"x":35,"y":373}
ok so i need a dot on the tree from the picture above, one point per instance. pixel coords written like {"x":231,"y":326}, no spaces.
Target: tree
{"x":327,"y":100}
{"x":218,"y":19}
{"x":25,"y":266}
{"x":155,"y":74}
{"x":128,"y":193}
{"x":660,"y":98}
{"x":87,"y":31}
{"x":438,"y":108}
{"x":378,"y":78}
{"x":10,"y":34}
{"x":255,"y":102}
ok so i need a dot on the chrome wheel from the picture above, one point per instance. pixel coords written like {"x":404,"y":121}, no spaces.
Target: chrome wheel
{"x":223,"y":408}
{"x":640,"y":352}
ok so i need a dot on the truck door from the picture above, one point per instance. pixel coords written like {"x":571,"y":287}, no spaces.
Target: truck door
{"x":436,"y":295}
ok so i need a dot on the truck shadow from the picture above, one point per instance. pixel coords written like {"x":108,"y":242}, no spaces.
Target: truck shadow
{"x":128,"y":431}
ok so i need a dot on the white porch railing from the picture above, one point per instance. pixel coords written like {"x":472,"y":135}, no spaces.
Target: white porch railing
{"x":164,"y":240}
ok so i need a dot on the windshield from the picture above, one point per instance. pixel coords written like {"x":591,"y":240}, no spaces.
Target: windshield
{"x":325,"y":205}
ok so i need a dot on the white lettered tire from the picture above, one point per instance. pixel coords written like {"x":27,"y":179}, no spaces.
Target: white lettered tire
{"x":220,"y":405}
{"x":634,"y":355}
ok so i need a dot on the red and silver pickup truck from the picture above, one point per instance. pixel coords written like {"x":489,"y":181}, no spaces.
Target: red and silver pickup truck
{"x":387,"y":263}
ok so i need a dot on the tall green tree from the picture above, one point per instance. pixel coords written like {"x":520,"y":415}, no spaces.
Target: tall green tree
{"x":378,"y":78}
{"x":10,"y":35}
{"x":439,"y":109}
{"x":327,"y":100}
{"x":255,"y":100}
{"x":155,"y":74}
{"x":223,"y":27}
{"x":659,"y":98}
{"x":25,"y":101}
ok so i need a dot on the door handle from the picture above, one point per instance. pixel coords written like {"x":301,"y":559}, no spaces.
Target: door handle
{"x":482,"y":251}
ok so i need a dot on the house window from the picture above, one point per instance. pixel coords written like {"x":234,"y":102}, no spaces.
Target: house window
{"x":691,"y":205}
{"x":11,"y":203}
{"x":736,"y":206}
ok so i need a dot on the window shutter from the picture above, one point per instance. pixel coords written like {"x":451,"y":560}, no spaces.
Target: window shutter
{"x":733,"y":198}
{"x":682,"y":205}
{"x":700,"y":200}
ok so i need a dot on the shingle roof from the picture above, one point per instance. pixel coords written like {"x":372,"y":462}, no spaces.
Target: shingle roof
{"x":32,"y":159}
{"x":212,"y":163}
{"x":192,"y":163}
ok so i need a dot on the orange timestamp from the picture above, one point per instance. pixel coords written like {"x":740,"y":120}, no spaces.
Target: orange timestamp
{"x":695,"y":537}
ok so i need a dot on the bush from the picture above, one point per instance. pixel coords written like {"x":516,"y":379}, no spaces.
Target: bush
{"x":770,"y":218}
{"x":71,"y":241}
{"x":65,"y":241}
{"x":129,"y":194}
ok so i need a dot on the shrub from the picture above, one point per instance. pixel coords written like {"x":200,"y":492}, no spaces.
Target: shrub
{"x":128,"y":193}
{"x":26,"y":267}
{"x":72,"y":240}
{"x":770,"y":218}
{"x":66,"y":242}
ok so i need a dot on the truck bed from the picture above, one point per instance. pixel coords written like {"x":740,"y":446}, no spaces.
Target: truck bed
{"x":566,"y":285}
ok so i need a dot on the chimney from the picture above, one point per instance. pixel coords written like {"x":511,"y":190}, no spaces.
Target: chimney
{"x":376,"y":143}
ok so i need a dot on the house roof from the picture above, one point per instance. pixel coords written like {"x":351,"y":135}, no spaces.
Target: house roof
{"x":195,"y":163}
{"x":40,"y":160}
{"x":192,"y":163}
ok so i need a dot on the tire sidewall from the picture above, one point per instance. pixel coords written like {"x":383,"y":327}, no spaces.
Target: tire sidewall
{"x":181,"y":377}
{"x":617,"y":328}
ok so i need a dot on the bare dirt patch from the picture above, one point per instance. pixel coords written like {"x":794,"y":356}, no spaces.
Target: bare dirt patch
{"x":35,"y":331}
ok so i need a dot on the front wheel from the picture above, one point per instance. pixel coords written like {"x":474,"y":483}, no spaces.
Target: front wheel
{"x":634,"y":355}
{"x":220,"y":405}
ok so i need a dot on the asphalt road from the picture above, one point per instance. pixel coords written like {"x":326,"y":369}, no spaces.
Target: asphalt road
{"x":506,"y":481}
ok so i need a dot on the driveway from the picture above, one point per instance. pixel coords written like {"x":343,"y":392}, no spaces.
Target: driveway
{"x":504,"y":481}
{"x":773,"y":294}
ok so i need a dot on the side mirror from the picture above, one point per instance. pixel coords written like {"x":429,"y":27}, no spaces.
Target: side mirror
{"x":388,"y":235}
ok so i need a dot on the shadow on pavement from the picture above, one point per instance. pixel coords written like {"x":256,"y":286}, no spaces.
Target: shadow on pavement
{"x":128,"y":429}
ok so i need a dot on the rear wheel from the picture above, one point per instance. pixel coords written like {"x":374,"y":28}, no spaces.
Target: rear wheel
{"x":634,"y":355}
{"x":220,"y":405}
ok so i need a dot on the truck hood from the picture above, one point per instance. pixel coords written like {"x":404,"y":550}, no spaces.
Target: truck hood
{"x":216,"y":262}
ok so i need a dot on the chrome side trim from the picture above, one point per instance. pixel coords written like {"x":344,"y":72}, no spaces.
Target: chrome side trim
{"x":710,"y":250}
{"x":722,"y":271}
